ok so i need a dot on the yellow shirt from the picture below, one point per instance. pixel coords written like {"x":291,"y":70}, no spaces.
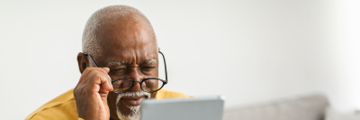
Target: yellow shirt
{"x":63,"y":107}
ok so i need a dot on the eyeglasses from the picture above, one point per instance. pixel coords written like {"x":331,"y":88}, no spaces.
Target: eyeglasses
{"x":122,"y":85}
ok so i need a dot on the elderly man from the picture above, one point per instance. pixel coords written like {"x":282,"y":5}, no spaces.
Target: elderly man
{"x":119,"y":67}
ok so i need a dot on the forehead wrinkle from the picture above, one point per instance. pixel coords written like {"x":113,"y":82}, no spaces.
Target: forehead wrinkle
{"x":117,"y":63}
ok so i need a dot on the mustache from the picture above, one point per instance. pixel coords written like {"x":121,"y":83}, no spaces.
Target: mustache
{"x":129,"y":94}
{"x":138,"y":93}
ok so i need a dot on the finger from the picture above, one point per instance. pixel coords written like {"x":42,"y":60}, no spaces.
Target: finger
{"x":107,"y":70}
{"x":106,"y":80}
{"x":93,"y":82}
{"x":97,"y":77}
{"x":101,"y":78}
{"x":85,"y":75}
{"x":89,"y":73}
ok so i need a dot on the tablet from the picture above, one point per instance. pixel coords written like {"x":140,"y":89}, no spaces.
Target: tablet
{"x":198,"y":108}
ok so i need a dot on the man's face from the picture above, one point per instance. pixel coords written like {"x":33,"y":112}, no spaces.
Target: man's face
{"x":129,"y":50}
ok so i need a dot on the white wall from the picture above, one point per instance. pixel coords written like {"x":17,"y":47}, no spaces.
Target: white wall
{"x":348,"y":30}
{"x":251,"y":51}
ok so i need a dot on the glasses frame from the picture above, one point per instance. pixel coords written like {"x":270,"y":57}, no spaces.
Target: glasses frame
{"x":142,"y":81}
{"x":133,"y":81}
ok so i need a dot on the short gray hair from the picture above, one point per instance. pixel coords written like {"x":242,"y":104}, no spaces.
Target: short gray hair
{"x":90,"y":44}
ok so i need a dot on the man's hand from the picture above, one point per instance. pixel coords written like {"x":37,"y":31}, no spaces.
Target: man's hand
{"x":91,"y":94}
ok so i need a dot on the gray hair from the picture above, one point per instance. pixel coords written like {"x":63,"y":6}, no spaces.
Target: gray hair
{"x":90,"y":42}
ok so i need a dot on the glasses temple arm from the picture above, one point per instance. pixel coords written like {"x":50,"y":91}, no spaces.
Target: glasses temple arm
{"x":91,"y":59}
{"x":166,"y":77}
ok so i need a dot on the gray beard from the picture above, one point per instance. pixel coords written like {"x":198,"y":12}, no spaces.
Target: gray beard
{"x":135,"y":110}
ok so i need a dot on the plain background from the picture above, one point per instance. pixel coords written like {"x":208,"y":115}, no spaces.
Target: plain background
{"x":251,"y":51}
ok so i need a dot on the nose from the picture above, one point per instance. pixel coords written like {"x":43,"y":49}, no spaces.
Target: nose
{"x":135,"y":75}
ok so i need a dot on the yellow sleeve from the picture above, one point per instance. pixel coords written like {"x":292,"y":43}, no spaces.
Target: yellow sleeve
{"x":164,"y":93}
{"x":61,"y":108}
{"x":64,"y":106}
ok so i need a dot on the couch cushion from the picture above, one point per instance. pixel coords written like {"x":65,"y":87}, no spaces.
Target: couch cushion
{"x":305,"y":108}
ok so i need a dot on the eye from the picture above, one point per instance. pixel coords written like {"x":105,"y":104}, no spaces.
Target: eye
{"x":147,"y":69}
{"x":119,"y":71}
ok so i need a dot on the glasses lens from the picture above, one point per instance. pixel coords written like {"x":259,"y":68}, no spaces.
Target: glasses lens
{"x":122,"y":85}
{"x":152,"y":85}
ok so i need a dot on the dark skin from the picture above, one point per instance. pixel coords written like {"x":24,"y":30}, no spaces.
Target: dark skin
{"x":121,"y":39}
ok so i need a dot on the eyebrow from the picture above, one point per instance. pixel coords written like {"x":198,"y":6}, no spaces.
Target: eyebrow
{"x":126,"y":62}
{"x":148,"y":61}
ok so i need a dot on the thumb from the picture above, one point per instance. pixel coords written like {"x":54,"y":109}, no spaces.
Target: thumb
{"x":106,"y":69}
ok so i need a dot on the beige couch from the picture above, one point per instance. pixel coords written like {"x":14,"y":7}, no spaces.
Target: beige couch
{"x":304,"y":108}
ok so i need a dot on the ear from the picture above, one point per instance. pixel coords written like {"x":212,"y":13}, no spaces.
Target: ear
{"x":83,"y":62}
